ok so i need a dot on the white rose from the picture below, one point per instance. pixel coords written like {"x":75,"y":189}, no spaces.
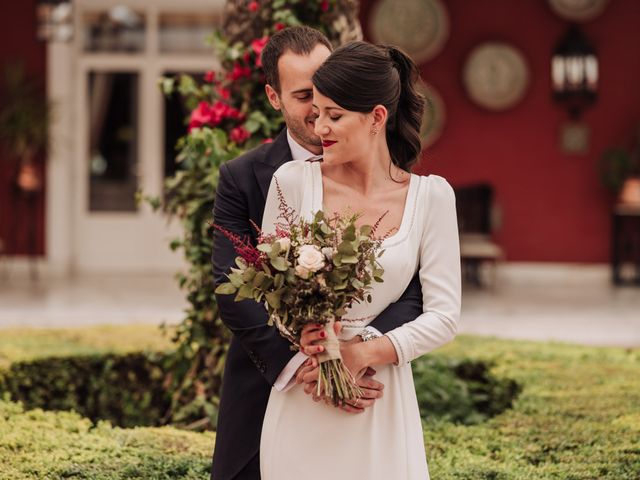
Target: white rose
{"x":310,"y":257}
{"x":284,"y":242}
{"x":302,"y":272}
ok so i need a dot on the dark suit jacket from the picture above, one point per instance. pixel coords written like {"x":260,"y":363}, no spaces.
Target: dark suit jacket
{"x":257,"y":353}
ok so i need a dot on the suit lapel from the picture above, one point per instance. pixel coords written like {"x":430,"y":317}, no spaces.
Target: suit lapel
{"x":278,"y":153}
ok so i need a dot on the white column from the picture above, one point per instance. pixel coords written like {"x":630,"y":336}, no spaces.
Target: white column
{"x":59,"y":217}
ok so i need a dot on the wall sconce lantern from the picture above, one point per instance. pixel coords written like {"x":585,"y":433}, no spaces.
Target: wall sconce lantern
{"x":574,"y":72}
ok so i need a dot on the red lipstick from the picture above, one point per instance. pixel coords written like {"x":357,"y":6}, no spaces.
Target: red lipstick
{"x":327,"y":143}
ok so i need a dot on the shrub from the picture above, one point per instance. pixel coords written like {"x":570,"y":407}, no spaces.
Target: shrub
{"x":40,"y":445}
{"x":460,"y":391}
{"x":126,"y":389}
{"x":130,"y":390}
{"x":577,"y":417}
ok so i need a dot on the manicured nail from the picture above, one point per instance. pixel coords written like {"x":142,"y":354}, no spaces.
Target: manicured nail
{"x":323,"y":334}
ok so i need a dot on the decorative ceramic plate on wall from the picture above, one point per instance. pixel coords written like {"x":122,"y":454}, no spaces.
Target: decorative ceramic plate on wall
{"x":419,"y":27}
{"x":578,"y":10}
{"x":434,"y":114}
{"x":496,"y":75}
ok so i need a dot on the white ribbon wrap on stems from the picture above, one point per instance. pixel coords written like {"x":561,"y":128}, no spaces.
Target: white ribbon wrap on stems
{"x":331,"y":344}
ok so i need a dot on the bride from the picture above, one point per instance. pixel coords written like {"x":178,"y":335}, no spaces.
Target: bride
{"x":368,"y":117}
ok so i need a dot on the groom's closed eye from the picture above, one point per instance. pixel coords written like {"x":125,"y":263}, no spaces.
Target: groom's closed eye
{"x":303,"y":95}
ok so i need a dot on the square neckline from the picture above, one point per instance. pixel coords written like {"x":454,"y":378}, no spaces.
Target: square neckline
{"x":407,"y":215}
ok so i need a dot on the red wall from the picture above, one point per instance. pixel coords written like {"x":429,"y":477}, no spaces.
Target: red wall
{"x":18,"y":43}
{"x":554,"y":208}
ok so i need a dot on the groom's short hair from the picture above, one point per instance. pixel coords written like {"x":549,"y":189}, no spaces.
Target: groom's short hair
{"x":301,"y":40}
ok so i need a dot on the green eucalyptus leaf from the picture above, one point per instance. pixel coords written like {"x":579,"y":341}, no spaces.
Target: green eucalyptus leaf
{"x":248,"y":275}
{"x":258,"y":279}
{"x":279,"y":264}
{"x":273,"y":298}
{"x":245,"y":291}
{"x":226,"y":289}
{"x":236,"y":279}
{"x":346,"y":248}
{"x":275,"y":250}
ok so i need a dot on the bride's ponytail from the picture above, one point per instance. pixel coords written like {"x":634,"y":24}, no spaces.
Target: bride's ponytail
{"x":403,"y":131}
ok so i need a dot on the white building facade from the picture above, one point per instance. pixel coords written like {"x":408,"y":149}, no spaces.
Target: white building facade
{"x":113,"y":132}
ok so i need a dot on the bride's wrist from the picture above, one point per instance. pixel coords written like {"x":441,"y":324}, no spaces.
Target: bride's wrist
{"x":379,"y":351}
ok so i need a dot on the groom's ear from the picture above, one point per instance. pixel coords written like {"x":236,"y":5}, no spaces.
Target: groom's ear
{"x":272,"y":95}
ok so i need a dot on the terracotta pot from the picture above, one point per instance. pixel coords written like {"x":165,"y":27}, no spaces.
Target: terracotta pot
{"x":28,"y":179}
{"x":630,"y":192}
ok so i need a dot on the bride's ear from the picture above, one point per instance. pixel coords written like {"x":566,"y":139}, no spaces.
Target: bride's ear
{"x":380,"y":114}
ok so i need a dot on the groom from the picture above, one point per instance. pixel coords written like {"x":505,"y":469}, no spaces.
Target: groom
{"x":258,"y":357}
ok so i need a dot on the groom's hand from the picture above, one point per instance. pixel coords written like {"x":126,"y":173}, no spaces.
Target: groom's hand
{"x":371,"y":389}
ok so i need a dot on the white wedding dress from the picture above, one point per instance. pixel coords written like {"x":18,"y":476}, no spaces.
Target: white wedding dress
{"x":302,"y":439}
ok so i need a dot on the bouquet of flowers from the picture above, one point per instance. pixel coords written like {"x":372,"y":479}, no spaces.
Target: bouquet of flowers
{"x":309,"y":272}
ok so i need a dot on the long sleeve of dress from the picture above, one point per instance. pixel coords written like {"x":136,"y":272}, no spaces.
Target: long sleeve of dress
{"x":439,"y":274}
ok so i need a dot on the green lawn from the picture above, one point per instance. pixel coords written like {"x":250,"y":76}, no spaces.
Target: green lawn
{"x":578,"y":417}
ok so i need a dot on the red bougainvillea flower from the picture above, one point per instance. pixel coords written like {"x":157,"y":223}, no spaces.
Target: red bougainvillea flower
{"x":279,"y":26}
{"x":239,"y":135}
{"x":239,"y":71}
{"x":253,"y":6}
{"x":200,"y":116}
{"x":257,"y":46}
{"x":224,"y":93}
{"x":210,"y":76}
{"x":267,"y":140}
{"x":213,"y":115}
{"x":324,"y":5}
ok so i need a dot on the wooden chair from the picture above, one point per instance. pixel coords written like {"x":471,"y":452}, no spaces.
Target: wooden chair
{"x":478,"y":217}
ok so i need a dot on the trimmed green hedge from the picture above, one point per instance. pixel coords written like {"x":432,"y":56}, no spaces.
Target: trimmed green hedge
{"x":128,"y":390}
{"x":577,"y":417}
{"x":460,"y":391}
{"x":62,"y":445}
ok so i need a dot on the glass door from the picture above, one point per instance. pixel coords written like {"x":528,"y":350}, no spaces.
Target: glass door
{"x":123,"y":132}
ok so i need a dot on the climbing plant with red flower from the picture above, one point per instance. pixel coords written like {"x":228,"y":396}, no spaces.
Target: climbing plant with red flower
{"x":228,"y":114}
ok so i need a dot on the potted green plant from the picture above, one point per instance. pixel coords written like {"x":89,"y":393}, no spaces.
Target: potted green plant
{"x":620,"y":171}
{"x":24,"y":124}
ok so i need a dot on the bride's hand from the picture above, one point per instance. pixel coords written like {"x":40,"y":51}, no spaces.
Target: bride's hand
{"x":312,"y":334}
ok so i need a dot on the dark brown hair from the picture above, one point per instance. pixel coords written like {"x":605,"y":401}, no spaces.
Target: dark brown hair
{"x":301,"y":40}
{"x":359,"y":75}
